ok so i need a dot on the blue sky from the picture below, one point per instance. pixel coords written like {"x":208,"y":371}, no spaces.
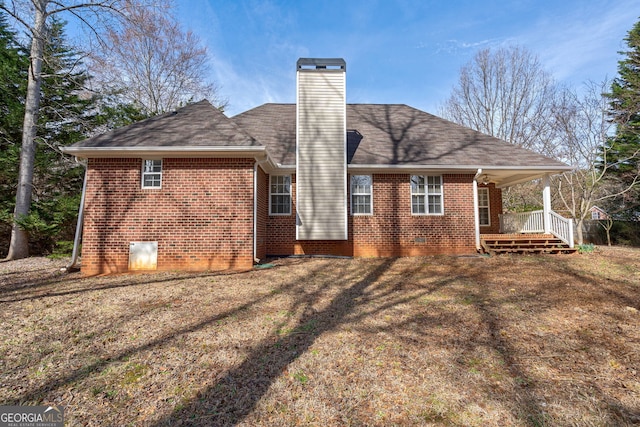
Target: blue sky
{"x":404,"y":51}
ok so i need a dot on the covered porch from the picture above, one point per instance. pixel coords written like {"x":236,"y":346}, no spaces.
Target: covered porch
{"x":539,"y":231}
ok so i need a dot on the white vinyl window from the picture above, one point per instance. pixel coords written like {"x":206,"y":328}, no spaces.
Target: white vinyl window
{"x":483,"y":206}
{"x":151,"y":173}
{"x":361,"y":195}
{"x":426,"y":195}
{"x":280,"y":195}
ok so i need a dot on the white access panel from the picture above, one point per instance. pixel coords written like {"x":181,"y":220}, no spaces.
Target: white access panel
{"x":143,"y":255}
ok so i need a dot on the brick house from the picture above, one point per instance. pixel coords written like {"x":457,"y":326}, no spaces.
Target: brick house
{"x":598,"y":214}
{"x":196,"y":190}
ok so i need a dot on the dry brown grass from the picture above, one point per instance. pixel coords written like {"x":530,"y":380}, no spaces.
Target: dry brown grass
{"x":504,"y":341}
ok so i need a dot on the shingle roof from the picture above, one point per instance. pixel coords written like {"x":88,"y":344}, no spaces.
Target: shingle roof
{"x":196,"y":125}
{"x":377,"y":135}
{"x":392,"y":134}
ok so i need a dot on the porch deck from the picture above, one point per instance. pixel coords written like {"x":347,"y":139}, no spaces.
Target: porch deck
{"x":494,"y":244}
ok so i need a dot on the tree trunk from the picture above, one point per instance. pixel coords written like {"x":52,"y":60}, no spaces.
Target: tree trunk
{"x":608,"y":225}
{"x":19,"y":247}
{"x":579,"y":236}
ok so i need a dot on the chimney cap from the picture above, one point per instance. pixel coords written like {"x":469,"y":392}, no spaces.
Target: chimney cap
{"x":321,"y":64}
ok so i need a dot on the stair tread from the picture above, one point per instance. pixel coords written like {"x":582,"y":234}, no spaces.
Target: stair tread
{"x":550,"y":245}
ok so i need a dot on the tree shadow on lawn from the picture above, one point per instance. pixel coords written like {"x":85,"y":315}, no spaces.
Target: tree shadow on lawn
{"x":36,"y":394}
{"x":234,"y":396}
{"x":526,"y":396}
{"x":231,"y":397}
{"x":61,"y":284}
{"x":553,"y":295}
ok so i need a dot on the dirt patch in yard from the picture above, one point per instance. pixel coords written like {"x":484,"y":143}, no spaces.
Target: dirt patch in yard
{"x":501,"y":341}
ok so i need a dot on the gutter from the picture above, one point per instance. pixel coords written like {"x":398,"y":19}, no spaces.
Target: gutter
{"x":79,"y":224}
{"x":190,"y":151}
{"x":462,"y":168}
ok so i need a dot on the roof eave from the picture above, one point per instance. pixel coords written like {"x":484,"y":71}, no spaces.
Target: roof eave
{"x":205,"y":151}
{"x":502,"y":176}
{"x":463,"y":168}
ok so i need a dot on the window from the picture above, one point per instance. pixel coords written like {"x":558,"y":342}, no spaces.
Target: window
{"x":361,"y":195}
{"x":280,"y":195}
{"x":426,"y":195}
{"x":483,"y":206}
{"x":151,"y":173}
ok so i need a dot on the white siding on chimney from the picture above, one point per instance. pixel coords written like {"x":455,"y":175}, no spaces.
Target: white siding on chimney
{"x":321,"y":175}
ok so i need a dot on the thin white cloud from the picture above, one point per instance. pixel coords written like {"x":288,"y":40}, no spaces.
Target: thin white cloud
{"x":583,"y":46}
{"x":254,"y":84}
{"x":455,"y":47}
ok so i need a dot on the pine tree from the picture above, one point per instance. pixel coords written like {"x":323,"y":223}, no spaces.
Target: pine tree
{"x":68,"y":113}
{"x":625,"y":89}
{"x":34,"y":16}
{"x":623,"y":149}
{"x":14,"y":63}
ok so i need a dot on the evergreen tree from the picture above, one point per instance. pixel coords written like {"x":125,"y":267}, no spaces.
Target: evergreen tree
{"x":623,"y":150}
{"x":13,"y":67}
{"x":68,"y":113}
{"x":625,"y":90}
{"x":34,"y":16}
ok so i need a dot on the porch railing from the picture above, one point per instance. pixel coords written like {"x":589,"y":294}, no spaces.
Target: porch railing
{"x":522,"y":222}
{"x":533,"y":222}
{"x":562,"y":228}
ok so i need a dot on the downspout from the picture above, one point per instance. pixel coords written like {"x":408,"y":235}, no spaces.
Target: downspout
{"x":476,"y":216}
{"x":255,"y":207}
{"x":76,"y":240}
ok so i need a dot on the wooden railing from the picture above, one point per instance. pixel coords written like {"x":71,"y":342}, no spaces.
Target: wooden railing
{"x":522,"y":222}
{"x":561,"y":227}
{"x":533,"y":222}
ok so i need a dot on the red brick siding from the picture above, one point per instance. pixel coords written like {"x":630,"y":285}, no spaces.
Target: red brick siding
{"x":495,"y":209}
{"x":392,"y":230}
{"x":202,"y":217}
{"x":281,"y":229}
{"x":263,"y":212}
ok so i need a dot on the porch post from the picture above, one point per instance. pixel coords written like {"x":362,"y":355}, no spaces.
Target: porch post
{"x":546,"y":204}
{"x":476,"y":215}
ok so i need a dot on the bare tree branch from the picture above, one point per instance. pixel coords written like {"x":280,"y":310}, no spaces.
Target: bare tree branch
{"x":585,"y":130}
{"x":152,"y":63}
{"x":505,"y":93}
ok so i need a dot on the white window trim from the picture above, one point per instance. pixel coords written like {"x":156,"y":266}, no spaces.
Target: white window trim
{"x":426,"y":195}
{"x":271,"y":213}
{"x":143,"y":174}
{"x":370,"y":194}
{"x":488,"y":206}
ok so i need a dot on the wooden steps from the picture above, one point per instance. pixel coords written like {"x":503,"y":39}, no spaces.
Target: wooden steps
{"x":523,"y":244}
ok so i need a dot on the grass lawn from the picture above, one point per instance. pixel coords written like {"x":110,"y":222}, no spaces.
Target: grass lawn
{"x":453,"y":341}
